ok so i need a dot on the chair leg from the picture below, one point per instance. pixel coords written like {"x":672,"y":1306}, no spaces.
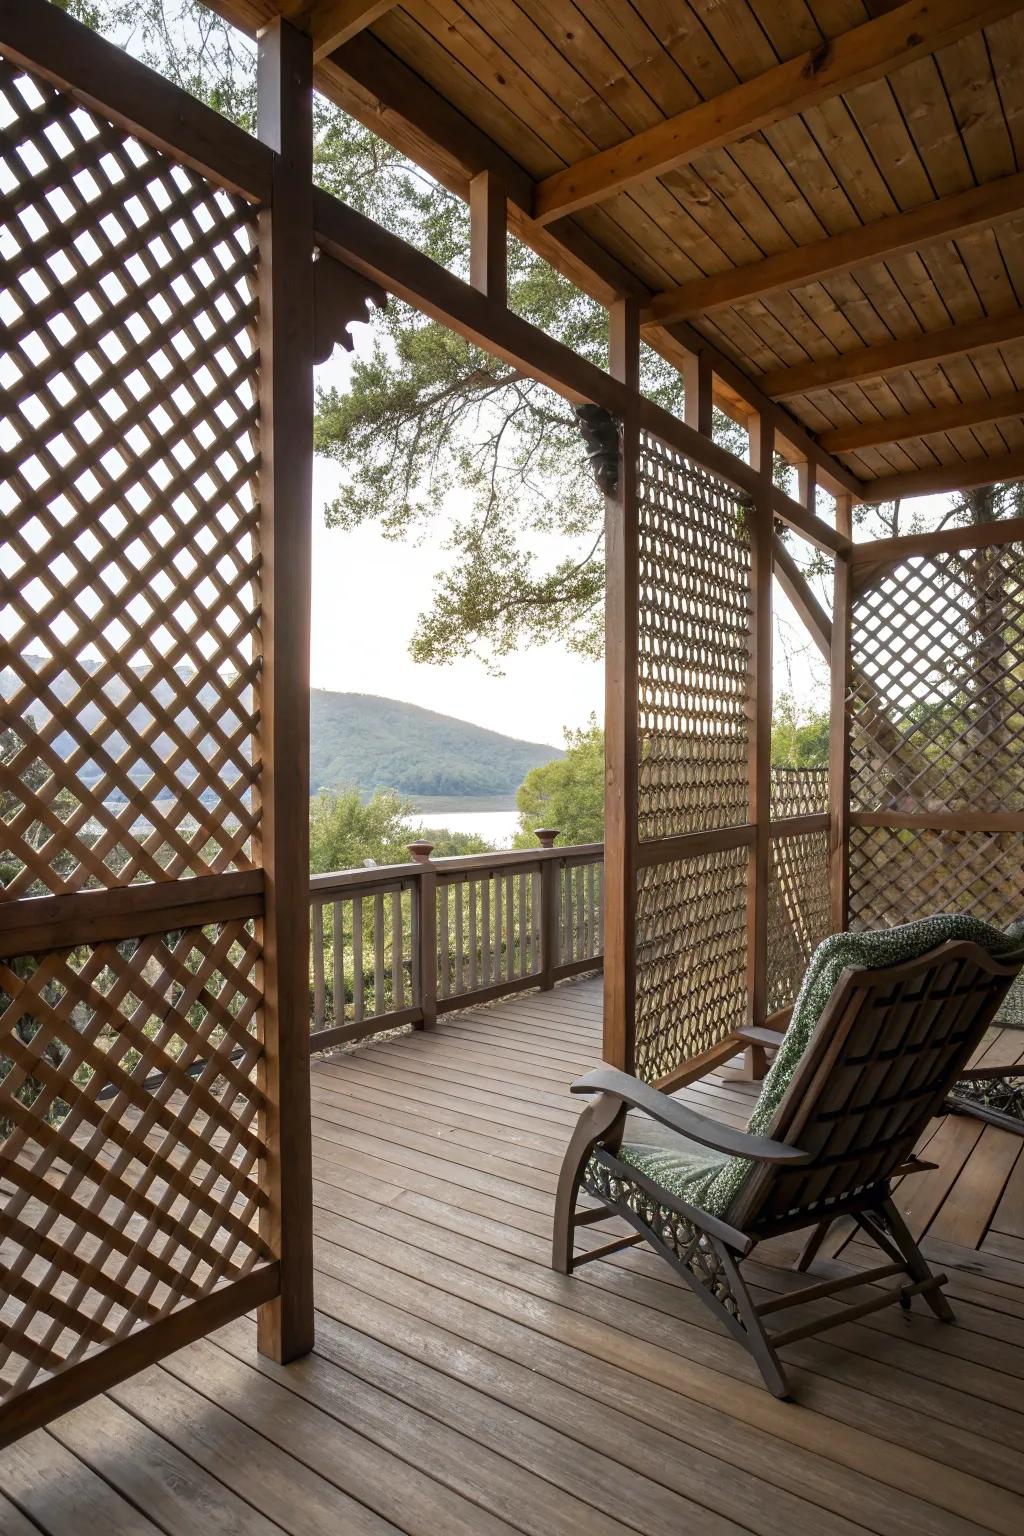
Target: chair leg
{"x":756,"y":1340}
{"x":917,"y":1265}
{"x":598,"y":1121}
{"x":808,"y":1253}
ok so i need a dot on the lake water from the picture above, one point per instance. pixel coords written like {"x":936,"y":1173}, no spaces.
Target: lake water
{"x":497,"y":827}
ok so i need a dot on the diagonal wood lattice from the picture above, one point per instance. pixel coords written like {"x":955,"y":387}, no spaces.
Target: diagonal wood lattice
{"x":798,"y":914}
{"x":691,"y":938}
{"x":937,"y":733}
{"x":128,"y":419}
{"x":129,"y":1117}
{"x":937,"y":709}
{"x":694,"y":647}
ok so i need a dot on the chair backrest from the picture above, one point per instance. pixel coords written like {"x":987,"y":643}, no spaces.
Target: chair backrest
{"x":889,"y":1045}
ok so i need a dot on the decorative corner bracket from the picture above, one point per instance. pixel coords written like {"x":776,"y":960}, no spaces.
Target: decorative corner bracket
{"x":340,"y":299}
{"x":600,"y":432}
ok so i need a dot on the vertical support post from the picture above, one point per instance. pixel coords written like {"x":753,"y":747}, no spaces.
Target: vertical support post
{"x":285,"y":122}
{"x":762,"y":446}
{"x":488,"y":236}
{"x":839,"y":731}
{"x":621,"y":705}
{"x":697,"y":392}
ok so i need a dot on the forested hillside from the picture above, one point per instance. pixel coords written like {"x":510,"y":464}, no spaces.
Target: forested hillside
{"x":357,"y":738}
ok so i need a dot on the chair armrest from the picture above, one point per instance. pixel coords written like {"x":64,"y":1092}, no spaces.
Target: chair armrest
{"x":722,"y":1138}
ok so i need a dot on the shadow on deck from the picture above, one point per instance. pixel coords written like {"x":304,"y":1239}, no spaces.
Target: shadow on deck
{"x":459,"y":1386}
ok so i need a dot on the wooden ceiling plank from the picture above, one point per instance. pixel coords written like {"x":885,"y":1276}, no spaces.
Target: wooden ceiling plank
{"x":894,"y":356}
{"x":938,"y":418}
{"x":863,"y":54}
{"x":335,"y":22}
{"x":946,"y":217}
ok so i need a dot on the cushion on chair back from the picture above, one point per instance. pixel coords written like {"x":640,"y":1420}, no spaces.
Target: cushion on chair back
{"x":712,"y":1181}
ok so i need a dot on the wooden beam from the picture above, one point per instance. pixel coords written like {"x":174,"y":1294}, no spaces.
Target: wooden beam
{"x":286,"y":341}
{"x":938,"y":418}
{"x":840,"y":674}
{"x":893,"y":356}
{"x":333,"y":23}
{"x":621,"y":670}
{"x":941,"y":541}
{"x":863,"y":54}
{"x":488,"y":236}
{"x":942,"y":219}
{"x":698,"y":392}
{"x":63,"y":51}
{"x":794,"y":583}
{"x":762,"y":457}
{"x":964,"y":475}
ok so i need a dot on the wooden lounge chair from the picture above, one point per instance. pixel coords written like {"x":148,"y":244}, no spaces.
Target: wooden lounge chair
{"x":842,"y":1107}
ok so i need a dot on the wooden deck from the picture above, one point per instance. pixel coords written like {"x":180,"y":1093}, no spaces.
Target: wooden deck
{"x":459,"y":1386}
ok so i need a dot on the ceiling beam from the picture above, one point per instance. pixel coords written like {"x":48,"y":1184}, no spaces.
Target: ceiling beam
{"x":893,"y":356}
{"x":865,"y":53}
{"x":332,"y":23}
{"x":940,"y":541}
{"x":937,"y":418}
{"x":959,"y":214}
{"x":964,"y":475}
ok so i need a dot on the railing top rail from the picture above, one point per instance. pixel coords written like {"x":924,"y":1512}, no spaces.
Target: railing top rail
{"x":515,"y":858}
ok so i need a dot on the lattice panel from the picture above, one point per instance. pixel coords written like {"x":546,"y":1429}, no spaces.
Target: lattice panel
{"x":937,"y":707}
{"x":691,"y":940}
{"x":694,"y":643}
{"x":798,"y":914}
{"x":128,"y":416}
{"x":798,"y":792}
{"x":897,"y":875}
{"x":129,"y":1112}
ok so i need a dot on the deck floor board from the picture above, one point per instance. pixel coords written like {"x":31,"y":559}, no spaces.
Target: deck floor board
{"x":459,"y":1385}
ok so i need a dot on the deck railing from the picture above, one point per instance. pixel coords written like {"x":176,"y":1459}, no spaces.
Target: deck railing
{"x":400,"y":943}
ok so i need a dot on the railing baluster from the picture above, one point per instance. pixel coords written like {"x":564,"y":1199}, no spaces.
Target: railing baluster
{"x":378,"y":952}
{"x":397,"y":955}
{"x":600,"y":910}
{"x":485,"y":930}
{"x":443,"y":946}
{"x":510,"y":927}
{"x":591,"y":948}
{"x":319,"y":1005}
{"x":337,"y":963}
{"x":460,"y":891}
{"x":523,"y":960}
{"x":358,"y":972}
{"x":474,"y":967}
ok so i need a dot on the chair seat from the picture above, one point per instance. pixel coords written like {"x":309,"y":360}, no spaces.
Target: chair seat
{"x":682,"y":1167}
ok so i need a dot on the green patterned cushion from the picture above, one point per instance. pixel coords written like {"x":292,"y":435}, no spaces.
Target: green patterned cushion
{"x":1011,"y":1014}
{"x":710,"y":1181}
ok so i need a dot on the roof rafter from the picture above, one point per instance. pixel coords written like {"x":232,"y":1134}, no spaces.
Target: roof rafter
{"x":893,"y":356}
{"x":964,"y":475}
{"x":958,"y":214}
{"x":333,"y":22}
{"x":863,"y":54}
{"x":937,"y":418}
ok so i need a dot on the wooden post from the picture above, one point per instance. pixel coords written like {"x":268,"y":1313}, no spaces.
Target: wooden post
{"x":285,"y":123}
{"x":621,"y":725}
{"x":488,"y":236}
{"x":762,"y":444}
{"x":697,"y":388}
{"x":839,"y":731}
{"x":425,"y":930}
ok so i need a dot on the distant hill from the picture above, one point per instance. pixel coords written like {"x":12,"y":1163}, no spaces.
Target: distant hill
{"x":356,"y":739}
